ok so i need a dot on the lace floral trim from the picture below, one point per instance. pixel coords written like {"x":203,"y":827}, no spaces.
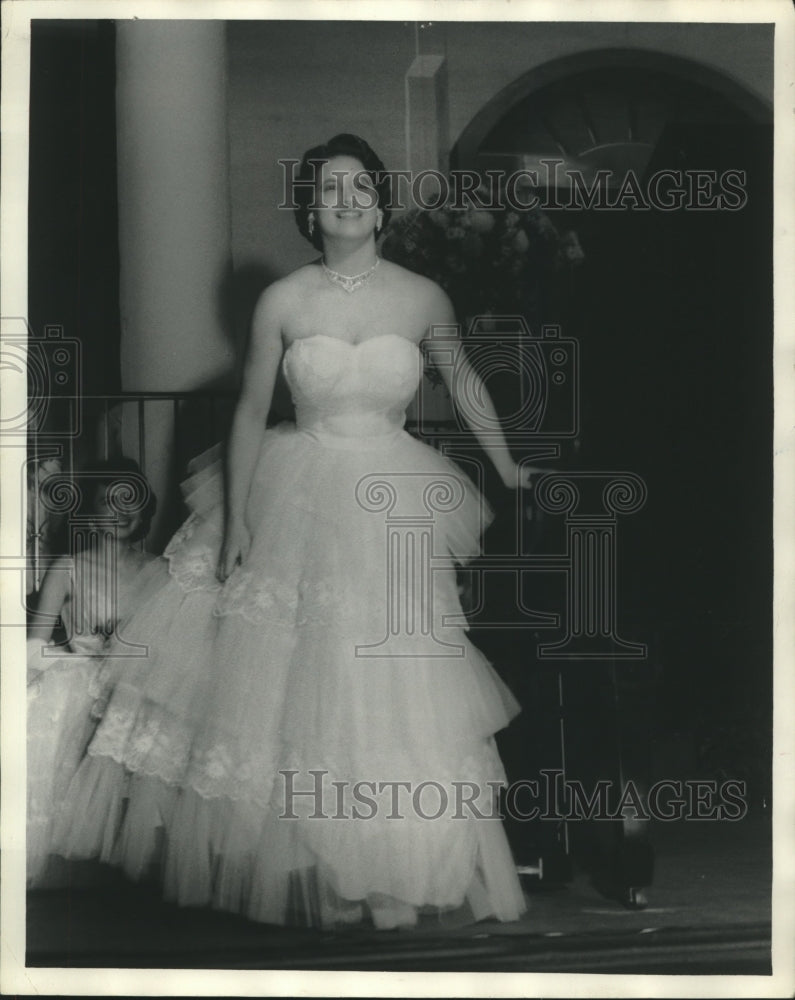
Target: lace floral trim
{"x":145,"y":739}
{"x":260,"y":599}
{"x":312,"y":603}
{"x":193,"y":566}
{"x":319,"y":602}
{"x":257,"y":598}
{"x":223,"y":771}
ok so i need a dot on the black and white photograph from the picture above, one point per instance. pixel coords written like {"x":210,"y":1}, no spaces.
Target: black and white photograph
{"x":396,"y":459}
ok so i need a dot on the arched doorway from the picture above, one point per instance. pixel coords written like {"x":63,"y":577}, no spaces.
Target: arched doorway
{"x":673,"y":312}
{"x":609,"y":88}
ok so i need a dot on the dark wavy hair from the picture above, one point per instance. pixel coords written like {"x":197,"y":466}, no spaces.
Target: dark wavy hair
{"x":123,"y":474}
{"x":305,"y":192}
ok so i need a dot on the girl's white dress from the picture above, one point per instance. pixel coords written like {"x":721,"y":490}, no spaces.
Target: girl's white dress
{"x":313,"y":741}
{"x":65,"y":693}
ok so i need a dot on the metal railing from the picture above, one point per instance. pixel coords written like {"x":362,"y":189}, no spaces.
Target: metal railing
{"x":109,"y":425}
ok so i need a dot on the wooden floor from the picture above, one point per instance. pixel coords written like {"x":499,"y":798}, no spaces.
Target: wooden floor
{"x":708,"y":913}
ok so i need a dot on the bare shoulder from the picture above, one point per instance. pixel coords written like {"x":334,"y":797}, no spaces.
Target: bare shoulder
{"x":297,"y":281}
{"x":428,"y":297}
{"x":280,"y":298}
{"x":407,"y":280}
{"x":62,"y":564}
{"x":60,"y":572}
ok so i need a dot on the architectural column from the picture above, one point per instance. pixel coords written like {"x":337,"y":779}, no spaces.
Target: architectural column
{"x":174,"y":219}
{"x":174,"y":223}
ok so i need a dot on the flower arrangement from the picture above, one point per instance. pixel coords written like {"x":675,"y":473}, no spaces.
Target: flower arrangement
{"x":489,"y":261}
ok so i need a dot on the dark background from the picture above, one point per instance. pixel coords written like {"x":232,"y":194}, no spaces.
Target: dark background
{"x":73,"y":255}
{"x":673,"y":314}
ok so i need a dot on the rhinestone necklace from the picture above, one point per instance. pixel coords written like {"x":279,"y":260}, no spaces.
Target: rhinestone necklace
{"x":350,"y":283}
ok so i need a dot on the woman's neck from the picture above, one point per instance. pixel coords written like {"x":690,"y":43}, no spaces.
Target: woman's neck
{"x":349,"y":260}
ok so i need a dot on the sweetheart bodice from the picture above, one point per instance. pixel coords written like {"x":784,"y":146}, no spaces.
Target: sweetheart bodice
{"x":347,"y":393}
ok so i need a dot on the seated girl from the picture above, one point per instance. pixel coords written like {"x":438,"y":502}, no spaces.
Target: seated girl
{"x":90,"y":592}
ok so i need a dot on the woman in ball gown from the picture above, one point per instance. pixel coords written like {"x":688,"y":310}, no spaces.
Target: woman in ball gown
{"x":313,"y":740}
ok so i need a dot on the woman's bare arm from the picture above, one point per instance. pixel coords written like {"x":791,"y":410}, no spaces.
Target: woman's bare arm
{"x":485,"y":423}
{"x":55,"y":588}
{"x":248,"y":426}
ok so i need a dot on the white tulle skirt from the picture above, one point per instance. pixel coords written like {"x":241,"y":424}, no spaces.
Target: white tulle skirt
{"x":311,"y":742}
{"x":59,"y":726}
{"x":66,"y":690}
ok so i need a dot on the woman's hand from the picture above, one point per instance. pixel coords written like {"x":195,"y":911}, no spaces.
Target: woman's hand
{"x":237,"y":542}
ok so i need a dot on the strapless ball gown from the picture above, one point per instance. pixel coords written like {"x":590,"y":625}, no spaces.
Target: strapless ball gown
{"x":312,"y":742}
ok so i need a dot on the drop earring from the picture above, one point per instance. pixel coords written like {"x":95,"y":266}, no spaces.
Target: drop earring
{"x":310,"y":226}
{"x":379,"y":221}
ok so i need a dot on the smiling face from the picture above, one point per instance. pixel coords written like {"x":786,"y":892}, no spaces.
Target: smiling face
{"x":103,"y":510}
{"x":347,"y":203}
